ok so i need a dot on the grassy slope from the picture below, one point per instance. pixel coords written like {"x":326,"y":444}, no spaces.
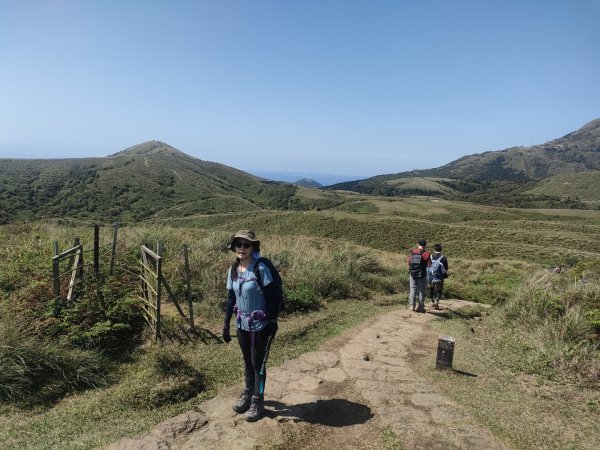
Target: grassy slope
{"x":130,"y":186}
{"x":525,"y":410}
{"x":99,"y":417}
{"x":500,"y":177}
{"x":490,"y":251}
{"x":467,"y":231}
{"x":585,"y":186}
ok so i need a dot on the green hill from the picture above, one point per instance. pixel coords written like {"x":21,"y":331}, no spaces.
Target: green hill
{"x":308,"y":182}
{"x":505,"y":177}
{"x":149,"y":179}
{"x":584,"y":186}
{"x":576,"y":152}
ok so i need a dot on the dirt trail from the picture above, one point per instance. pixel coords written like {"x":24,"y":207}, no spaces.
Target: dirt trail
{"x":345,"y":396}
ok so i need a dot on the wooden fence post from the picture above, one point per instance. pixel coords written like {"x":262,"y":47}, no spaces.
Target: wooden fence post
{"x":96,"y":249}
{"x":79,"y":258}
{"x":189,"y":284}
{"x":114,"y":248}
{"x":56,"y":283}
{"x":56,"y":279}
{"x":158,"y":291}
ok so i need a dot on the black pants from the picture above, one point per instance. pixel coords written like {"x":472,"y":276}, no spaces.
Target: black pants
{"x":434,"y":291}
{"x":254,"y":356}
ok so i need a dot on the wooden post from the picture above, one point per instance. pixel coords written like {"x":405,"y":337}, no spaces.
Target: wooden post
{"x":114,"y":248}
{"x":96,"y":249}
{"x":79,"y":257}
{"x":186,"y":262}
{"x":56,"y":282}
{"x":158,"y":293}
{"x":56,"y":279}
{"x":74,"y":266}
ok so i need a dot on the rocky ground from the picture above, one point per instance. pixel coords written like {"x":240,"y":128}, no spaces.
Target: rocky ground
{"x":356,"y":392}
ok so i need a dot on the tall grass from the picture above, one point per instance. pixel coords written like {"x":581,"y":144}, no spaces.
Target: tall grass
{"x":34,"y":370}
{"x":554,"y":317}
{"x":325,"y":259}
{"x":313,"y":270}
{"x":106,"y":318}
{"x":536,"y":358}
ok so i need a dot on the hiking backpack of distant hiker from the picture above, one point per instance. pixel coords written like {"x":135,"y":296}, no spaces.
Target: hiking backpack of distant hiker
{"x":436,"y":272}
{"x":278,"y":302}
{"x":417,"y":265}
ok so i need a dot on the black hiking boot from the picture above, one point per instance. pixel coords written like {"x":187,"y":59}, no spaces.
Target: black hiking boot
{"x":243,"y":403}
{"x":257,"y":409}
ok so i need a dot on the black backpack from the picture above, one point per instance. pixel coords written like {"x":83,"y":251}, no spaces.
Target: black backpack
{"x":279,"y":301}
{"x":417,"y":266}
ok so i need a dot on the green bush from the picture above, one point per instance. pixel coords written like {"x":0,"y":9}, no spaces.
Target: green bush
{"x":593,"y":317}
{"x":40,"y":370}
{"x":163,"y":377}
{"x":102,"y":318}
{"x":302,"y":299}
{"x":551,"y":313}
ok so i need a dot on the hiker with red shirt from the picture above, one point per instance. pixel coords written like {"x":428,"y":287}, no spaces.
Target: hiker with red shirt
{"x":418,"y":261}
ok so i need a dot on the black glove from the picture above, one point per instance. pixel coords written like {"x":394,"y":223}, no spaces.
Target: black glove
{"x":226,"y":335}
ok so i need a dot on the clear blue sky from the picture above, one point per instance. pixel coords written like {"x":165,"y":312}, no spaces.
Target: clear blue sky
{"x":344,"y":87}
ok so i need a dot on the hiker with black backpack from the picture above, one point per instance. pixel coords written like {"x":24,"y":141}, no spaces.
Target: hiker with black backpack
{"x":437,"y":272}
{"x":254,"y":295}
{"x":418,"y":261}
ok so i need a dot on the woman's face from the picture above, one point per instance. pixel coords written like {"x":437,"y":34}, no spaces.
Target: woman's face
{"x":243,"y":248}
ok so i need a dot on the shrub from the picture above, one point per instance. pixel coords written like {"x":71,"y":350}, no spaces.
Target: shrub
{"x":551,"y":312}
{"x":593,"y":317}
{"x":163,"y":377}
{"x":40,"y":370}
{"x":301,"y":298}
{"x":102,"y":318}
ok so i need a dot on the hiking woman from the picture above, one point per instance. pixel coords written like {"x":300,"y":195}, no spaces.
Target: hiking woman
{"x":253,"y":303}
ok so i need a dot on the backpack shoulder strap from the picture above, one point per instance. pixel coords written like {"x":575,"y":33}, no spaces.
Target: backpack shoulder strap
{"x":440,"y":262}
{"x":259,"y":280}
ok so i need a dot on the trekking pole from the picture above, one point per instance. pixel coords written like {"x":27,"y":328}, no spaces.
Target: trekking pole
{"x":261,"y":381}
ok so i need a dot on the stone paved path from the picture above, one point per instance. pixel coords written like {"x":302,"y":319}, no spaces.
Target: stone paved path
{"x":345,"y":396}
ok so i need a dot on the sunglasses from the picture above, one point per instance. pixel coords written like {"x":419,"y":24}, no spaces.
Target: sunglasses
{"x":242,"y":244}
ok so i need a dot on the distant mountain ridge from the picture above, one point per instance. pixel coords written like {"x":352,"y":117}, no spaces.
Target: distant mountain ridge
{"x":578,"y":151}
{"x":323,"y":179}
{"x":476,"y":176}
{"x":154,"y":179}
{"x":150,"y":148}
{"x":308,"y":182}
{"x":151,"y":179}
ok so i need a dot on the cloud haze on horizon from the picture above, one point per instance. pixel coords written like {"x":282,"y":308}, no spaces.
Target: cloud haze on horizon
{"x":331,"y":86}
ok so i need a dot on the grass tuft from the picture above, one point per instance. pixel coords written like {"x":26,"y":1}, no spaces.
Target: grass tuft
{"x":40,"y":371}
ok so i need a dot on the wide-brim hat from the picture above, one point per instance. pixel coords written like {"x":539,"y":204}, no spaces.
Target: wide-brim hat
{"x":247,"y":235}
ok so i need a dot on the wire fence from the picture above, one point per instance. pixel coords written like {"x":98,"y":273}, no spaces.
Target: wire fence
{"x":68,"y":269}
